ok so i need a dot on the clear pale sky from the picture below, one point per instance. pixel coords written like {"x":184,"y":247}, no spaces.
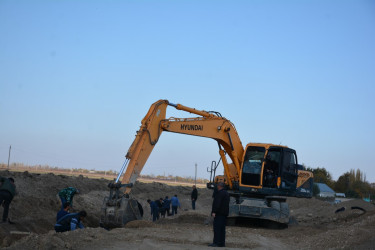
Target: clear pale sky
{"x":77,"y":77}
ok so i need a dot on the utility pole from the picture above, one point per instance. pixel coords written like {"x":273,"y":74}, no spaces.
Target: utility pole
{"x":10,"y":147}
{"x":195,"y":174}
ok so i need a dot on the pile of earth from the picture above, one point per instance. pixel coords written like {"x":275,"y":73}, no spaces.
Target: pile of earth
{"x":34,"y":208}
{"x":316,"y":223}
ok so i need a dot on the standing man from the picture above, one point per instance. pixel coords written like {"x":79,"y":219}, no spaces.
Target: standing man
{"x":175,"y":204}
{"x":194,"y":197}
{"x":167,"y":205}
{"x":70,"y":222}
{"x":66,"y":195}
{"x":154,"y":210}
{"x":7,"y":192}
{"x":220,"y":211}
{"x":161,"y":208}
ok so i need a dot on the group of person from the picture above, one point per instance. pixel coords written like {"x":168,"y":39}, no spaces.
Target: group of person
{"x":161,"y":206}
{"x":65,"y":220}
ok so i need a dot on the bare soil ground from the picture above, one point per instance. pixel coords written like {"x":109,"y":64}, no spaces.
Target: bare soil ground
{"x":314,"y":223}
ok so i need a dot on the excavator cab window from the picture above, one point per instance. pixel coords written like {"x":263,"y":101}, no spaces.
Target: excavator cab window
{"x":252,"y":166}
{"x":272,"y":167}
{"x":290,"y":168}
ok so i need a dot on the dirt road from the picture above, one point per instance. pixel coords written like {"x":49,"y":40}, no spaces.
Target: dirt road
{"x":315,"y":225}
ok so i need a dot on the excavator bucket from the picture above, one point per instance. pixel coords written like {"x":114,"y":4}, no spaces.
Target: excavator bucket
{"x":117,"y":212}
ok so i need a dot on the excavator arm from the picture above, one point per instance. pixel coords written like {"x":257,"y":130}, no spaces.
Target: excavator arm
{"x":118,"y":209}
{"x":145,"y":140}
{"x":209,"y":124}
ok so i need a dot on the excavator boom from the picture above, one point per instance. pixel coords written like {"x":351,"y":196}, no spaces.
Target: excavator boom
{"x":145,"y":140}
{"x":208,"y":125}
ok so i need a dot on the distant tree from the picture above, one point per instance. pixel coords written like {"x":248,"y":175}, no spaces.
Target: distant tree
{"x":342,"y":184}
{"x":354,"y":184}
{"x":321,"y":175}
{"x":352,"y":193}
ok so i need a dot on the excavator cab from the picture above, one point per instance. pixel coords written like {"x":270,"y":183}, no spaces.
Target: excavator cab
{"x":269,"y":174}
{"x":273,"y":170}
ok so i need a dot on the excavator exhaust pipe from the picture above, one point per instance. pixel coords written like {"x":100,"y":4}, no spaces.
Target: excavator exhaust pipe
{"x":119,"y":209}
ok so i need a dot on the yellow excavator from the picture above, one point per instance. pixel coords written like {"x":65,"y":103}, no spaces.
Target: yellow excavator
{"x":259,"y":177}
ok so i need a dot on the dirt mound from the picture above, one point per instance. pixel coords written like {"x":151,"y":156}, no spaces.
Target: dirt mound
{"x":34,"y":212}
{"x":189,"y":217}
{"x":317,"y":212}
{"x":52,"y":240}
{"x":140,"y":224}
{"x":35,"y":207}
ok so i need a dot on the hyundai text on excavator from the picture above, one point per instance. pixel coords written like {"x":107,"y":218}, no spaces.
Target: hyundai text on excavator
{"x":259,"y":177}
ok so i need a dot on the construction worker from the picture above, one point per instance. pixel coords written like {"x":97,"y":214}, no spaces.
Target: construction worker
{"x":154,"y":210}
{"x":220,"y":211}
{"x":167,"y":205}
{"x":7,"y":192}
{"x":162,"y":210}
{"x":70,"y":222}
{"x":66,"y":195}
{"x":175,"y":204}
{"x":194,"y":197}
{"x":63,"y":211}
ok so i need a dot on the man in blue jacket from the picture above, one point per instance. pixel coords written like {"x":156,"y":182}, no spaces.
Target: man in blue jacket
{"x":154,"y":210}
{"x":175,"y":204}
{"x":70,"y":222}
{"x":63,"y":211}
{"x":7,"y":192}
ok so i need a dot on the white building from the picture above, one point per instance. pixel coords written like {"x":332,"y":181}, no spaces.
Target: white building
{"x":325,"y":191}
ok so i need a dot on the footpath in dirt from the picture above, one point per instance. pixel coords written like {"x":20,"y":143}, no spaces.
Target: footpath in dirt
{"x":315,"y":225}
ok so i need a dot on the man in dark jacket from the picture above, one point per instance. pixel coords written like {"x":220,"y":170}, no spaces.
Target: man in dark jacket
{"x":167,"y":205}
{"x":162,"y":210}
{"x":194,"y":196}
{"x":220,"y":211}
{"x":70,"y":222}
{"x":7,"y":192}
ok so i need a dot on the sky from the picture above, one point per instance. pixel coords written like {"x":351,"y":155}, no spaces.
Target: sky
{"x":77,"y":77}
